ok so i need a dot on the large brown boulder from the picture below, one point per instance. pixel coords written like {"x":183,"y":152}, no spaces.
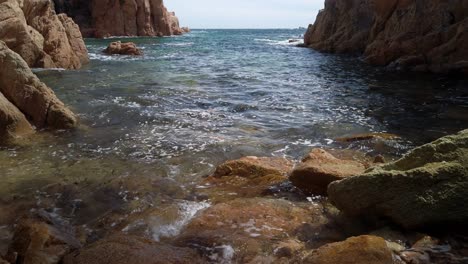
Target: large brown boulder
{"x":99,"y":18}
{"x":362,"y":250}
{"x":32,"y":97}
{"x":128,"y":48}
{"x":427,"y":187}
{"x":417,"y":35}
{"x":44,"y":39}
{"x":124,"y":249}
{"x":321,"y":168}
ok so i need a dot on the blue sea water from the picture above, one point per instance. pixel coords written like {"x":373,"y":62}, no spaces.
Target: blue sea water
{"x":193,"y":101}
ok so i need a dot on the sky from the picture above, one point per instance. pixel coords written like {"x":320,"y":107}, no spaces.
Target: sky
{"x":245,"y":13}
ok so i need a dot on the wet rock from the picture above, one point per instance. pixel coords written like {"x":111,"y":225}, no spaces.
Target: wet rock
{"x":32,"y":97}
{"x":427,"y":187}
{"x":247,"y":177}
{"x":429,"y":250}
{"x":13,"y":123}
{"x":41,"y":240}
{"x":362,"y":250}
{"x":379,"y":159}
{"x":414,"y":35}
{"x":120,"y":48}
{"x":367,"y":136}
{"x":319,"y":169}
{"x":186,"y":29}
{"x":123,"y":249}
{"x":251,"y":227}
{"x":43,"y":39}
{"x":3,"y":261}
{"x":254,"y":167}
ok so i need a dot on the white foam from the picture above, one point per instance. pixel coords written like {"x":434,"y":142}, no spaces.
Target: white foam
{"x":187,"y":210}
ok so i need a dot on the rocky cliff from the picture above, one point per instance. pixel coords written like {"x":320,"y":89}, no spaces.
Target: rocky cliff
{"x":25,"y":101}
{"x":44,"y":39}
{"x":417,"y":35}
{"x":104,"y":18}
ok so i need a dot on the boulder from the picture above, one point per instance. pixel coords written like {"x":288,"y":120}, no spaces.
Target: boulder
{"x":124,"y":249}
{"x":39,"y":241}
{"x":120,"y":48}
{"x":254,"y":167}
{"x":13,"y":123}
{"x":427,"y":187}
{"x":42,"y":38}
{"x":319,"y":169}
{"x":416,"y":35}
{"x":33,"y":98}
{"x":361,"y":249}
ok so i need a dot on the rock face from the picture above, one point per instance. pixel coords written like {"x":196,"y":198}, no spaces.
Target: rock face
{"x":319,"y":169}
{"x":105,"y":18}
{"x":40,"y":242}
{"x":12,"y":122}
{"x":426,"y":187}
{"x":362,"y":250}
{"x":120,"y":48}
{"x":123,"y":249}
{"x":42,"y":38}
{"x":28,"y":97}
{"x":416,"y":35}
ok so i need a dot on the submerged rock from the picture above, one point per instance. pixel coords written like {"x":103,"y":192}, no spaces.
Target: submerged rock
{"x":124,"y":249}
{"x":254,"y":167}
{"x":362,"y":250}
{"x":417,"y":35}
{"x":39,"y":241}
{"x":319,"y":169}
{"x":428,"y":186}
{"x":32,"y":97}
{"x":249,"y":228}
{"x":42,"y":38}
{"x":128,"y":48}
{"x":367,"y":136}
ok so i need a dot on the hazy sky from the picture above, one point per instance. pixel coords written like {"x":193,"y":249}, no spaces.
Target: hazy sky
{"x":245,"y":13}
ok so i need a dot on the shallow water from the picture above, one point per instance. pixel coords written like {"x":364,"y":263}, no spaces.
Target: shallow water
{"x":153,"y":125}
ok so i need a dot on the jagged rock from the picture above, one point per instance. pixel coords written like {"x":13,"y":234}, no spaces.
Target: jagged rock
{"x":428,"y":186}
{"x":40,"y":239}
{"x":362,"y":250}
{"x":124,"y":249}
{"x":99,"y":18}
{"x":12,"y":122}
{"x":120,"y":48}
{"x":42,"y":38}
{"x":319,"y":169}
{"x":33,"y":98}
{"x":418,"y":35}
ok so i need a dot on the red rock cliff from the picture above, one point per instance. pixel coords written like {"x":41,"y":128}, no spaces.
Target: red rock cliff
{"x":418,"y":35}
{"x":104,"y":18}
{"x":42,"y":38}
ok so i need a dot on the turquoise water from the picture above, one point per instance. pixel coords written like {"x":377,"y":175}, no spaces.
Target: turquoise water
{"x":169,"y":117}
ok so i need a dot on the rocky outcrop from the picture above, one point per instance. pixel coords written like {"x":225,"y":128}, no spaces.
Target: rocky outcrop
{"x":123,"y":249}
{"x":120,"y":48}
{"x":427,"y":187}
{"x":28,"y":97}
{"x":417,"y":35}
{"x":43,"y":39}
{"x":101,"y":18}
{"x":319,"y":169}
{"x":362,"y":250}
